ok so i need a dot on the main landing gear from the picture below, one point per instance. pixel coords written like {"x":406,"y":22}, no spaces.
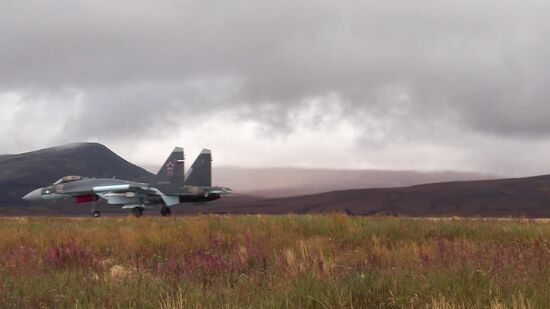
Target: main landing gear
{"x":95,"y":213}
{"x":165,"y":211}
{"x":137,"y":211}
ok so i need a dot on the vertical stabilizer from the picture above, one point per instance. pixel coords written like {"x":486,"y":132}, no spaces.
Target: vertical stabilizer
{"x":172,"y":171}
{"x":200,"y":173}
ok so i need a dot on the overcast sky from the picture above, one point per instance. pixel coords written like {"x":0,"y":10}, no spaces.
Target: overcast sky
{"x":419,"y":85}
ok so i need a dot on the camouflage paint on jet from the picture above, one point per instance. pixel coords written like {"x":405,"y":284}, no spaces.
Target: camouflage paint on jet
{"x":172,"y":187}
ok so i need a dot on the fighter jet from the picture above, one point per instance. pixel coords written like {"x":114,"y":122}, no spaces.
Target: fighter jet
{"x":172,"y":187}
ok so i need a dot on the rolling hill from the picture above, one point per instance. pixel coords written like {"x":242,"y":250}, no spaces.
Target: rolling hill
{"x":529,"y":197}
{"x":24,"y":172}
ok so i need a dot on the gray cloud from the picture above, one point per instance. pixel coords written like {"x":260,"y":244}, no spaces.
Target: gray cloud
{"x":401,"y":72}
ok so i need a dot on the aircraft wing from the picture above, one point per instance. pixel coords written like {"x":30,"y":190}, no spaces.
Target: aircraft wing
{"x":121,"y":188}
{"x":131,"y":195}
{"x":125,"y":194}
{"x":169,"y":200}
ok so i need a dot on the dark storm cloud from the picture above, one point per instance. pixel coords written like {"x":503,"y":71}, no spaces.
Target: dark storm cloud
{"x":399,"y":68}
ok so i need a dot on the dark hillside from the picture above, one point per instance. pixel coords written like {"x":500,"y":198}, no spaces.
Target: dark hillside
{"x":528,"y":197}
{"x":21,"y":173}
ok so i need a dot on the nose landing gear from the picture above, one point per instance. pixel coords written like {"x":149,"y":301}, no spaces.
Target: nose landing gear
{"x":165,"y":211}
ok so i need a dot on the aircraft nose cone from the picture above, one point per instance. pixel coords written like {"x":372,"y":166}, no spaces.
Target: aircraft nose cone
{"x":34,"y":195}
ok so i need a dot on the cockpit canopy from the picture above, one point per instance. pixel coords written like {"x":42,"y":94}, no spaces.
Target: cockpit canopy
{"x":68,"y":179}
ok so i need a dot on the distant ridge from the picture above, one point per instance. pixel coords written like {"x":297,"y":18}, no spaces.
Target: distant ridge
{"x":283,"y":182}
{"x":21,"y":173}
{"x":518,"y":197}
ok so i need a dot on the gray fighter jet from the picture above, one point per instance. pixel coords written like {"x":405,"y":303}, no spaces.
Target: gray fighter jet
{"x":172,"y":186}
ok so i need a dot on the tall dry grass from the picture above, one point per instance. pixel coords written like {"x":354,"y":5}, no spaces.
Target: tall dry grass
{"x":309,"y":261}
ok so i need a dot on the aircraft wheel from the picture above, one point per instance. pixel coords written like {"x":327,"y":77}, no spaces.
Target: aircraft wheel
{"x":96,"y":213}
{"x":165,"y":211}
{"x":137,"y":211}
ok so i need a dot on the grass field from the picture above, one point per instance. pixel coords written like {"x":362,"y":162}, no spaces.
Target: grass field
{"x":318,"y":261}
